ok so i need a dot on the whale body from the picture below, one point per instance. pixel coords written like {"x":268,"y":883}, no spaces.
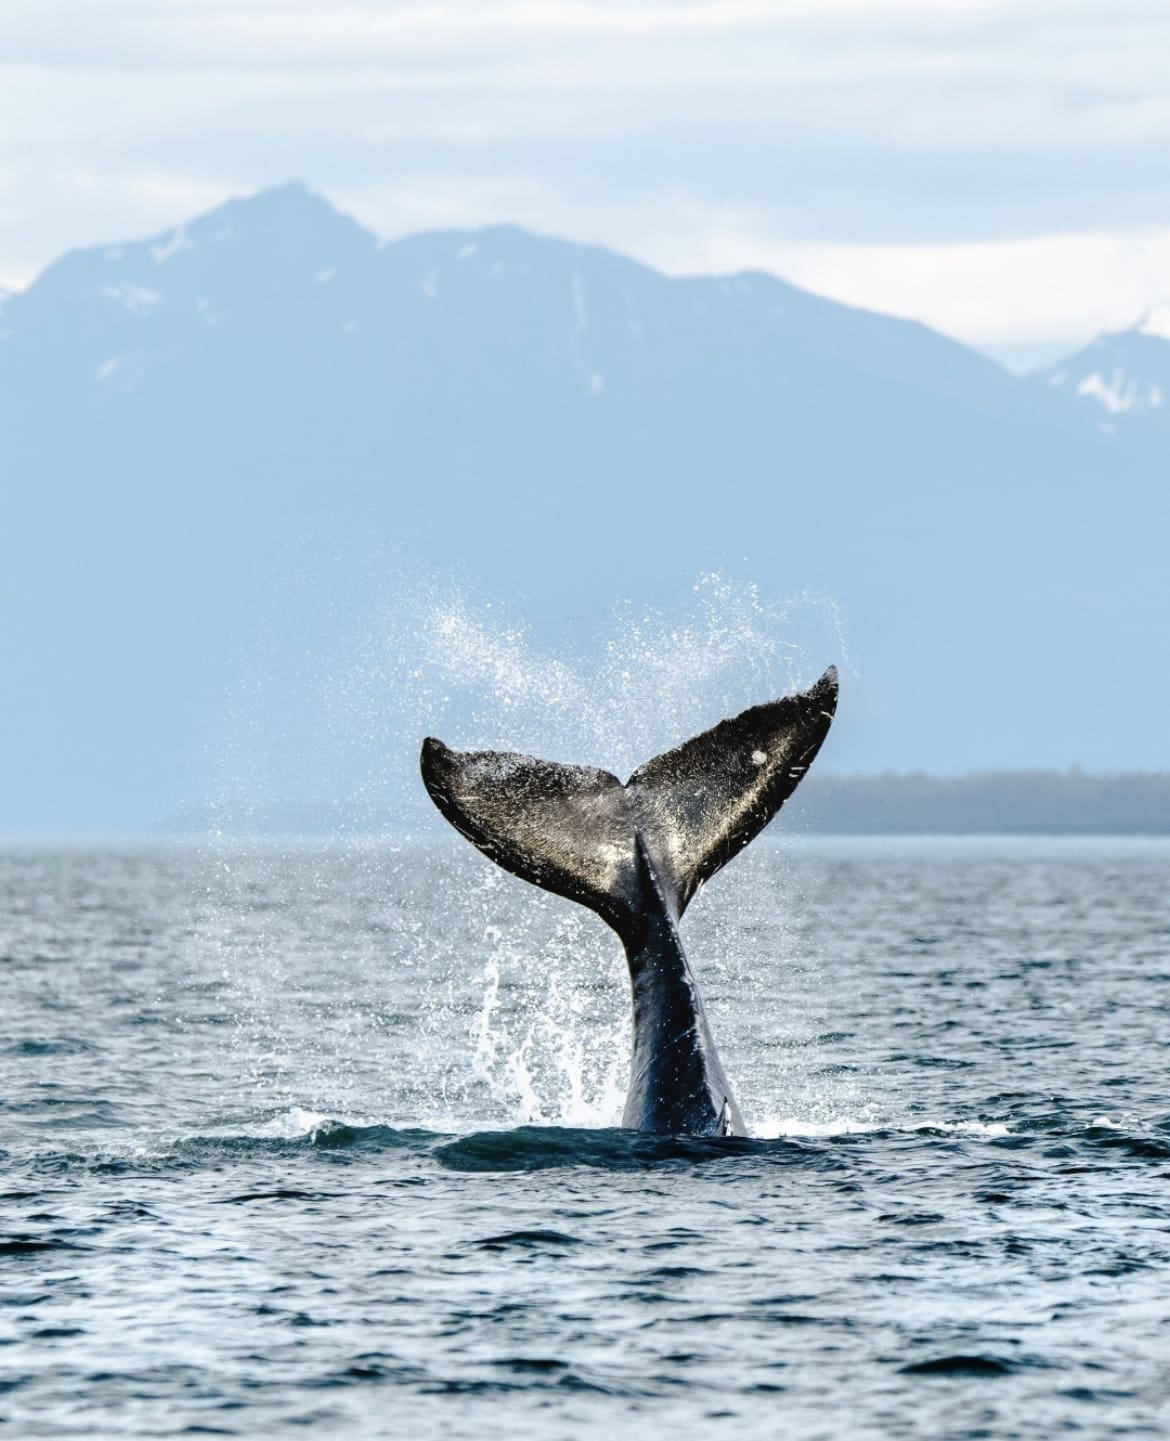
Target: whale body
{"x":637,"y":854}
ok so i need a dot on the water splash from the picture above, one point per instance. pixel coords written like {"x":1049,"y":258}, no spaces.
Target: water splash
{"x":521,"y":999}
{"x":656,"y":677}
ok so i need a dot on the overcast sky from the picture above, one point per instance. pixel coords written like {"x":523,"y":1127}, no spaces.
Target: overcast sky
{"x":997,"y":168}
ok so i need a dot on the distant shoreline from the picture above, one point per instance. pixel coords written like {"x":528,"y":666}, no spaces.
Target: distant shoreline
{"x":987,"y":803}
{"x":1041,"y":803}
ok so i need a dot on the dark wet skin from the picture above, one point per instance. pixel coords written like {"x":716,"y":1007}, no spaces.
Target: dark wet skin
{"x":637,"y":854}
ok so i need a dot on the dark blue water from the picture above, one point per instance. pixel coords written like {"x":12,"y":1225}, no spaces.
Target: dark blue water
{"x":323,"y":1138}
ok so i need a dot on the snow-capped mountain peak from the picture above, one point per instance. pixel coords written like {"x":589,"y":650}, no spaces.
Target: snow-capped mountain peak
{"x":1125,"y":374}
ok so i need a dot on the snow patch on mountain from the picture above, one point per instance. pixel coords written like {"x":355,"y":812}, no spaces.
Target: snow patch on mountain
{"x":208,"y":311}
{"x":633,"y":319}
{"x":178,"y":240}
{"x":1121,"y":392}
{"x":580,"y":303}
{"x":138,"y":299}
{"x":121,"y":372}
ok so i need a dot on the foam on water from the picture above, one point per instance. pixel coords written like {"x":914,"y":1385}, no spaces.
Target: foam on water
{"x":853,"y":1126}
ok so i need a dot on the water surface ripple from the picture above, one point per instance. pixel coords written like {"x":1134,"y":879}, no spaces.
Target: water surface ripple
{"x":323,"y":1137}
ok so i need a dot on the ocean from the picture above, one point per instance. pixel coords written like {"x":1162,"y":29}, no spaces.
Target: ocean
{"x":323,"y":1138}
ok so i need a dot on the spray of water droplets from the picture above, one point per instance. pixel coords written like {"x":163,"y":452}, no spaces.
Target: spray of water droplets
{"x":517,"y":1001}
{"x":655,"y":677}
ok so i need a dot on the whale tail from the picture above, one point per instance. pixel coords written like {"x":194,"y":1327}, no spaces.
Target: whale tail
{"x":574,"y":830}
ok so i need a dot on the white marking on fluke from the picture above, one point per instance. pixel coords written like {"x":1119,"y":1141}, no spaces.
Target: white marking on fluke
{"x":759,"y":757}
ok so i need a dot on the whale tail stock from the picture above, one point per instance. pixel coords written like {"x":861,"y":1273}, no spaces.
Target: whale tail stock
{"x":575,"y":830}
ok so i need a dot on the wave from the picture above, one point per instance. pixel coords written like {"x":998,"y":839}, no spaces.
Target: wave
{"x":824,"y":1144}
{"x":793,"y":1126}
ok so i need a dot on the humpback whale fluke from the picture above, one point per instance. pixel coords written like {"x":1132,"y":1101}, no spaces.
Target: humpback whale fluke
{"x":637,"y":854}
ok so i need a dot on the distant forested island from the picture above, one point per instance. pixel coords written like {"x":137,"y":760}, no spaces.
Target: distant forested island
{"x":985,"y":803}
{"x":990,"y":803}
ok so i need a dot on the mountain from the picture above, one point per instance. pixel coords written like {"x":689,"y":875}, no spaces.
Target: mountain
{"x":221,"y":444}
{"x":1122,"y":378}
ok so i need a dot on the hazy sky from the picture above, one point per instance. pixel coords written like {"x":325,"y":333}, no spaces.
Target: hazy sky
{"x":998,"y":168}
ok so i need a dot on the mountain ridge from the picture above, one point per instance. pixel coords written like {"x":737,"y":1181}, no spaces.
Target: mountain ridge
{"x":1092,"y":373}
{"x":293,"y":204}
{"x":196,"y":426}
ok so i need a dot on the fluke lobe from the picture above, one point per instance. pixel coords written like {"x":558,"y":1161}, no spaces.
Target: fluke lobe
{"x":637,"y":854}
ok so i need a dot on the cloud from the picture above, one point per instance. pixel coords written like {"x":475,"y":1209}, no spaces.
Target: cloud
{"x":932,"y":156}
{"x":993,"y":294}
